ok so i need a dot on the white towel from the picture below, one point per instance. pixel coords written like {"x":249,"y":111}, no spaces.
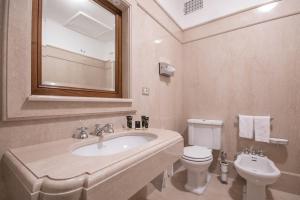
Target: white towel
{"x":246,"y":126}
{"x":262,"y":126}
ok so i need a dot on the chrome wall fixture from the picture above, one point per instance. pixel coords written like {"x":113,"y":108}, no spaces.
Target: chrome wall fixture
{"x":166,"y":69}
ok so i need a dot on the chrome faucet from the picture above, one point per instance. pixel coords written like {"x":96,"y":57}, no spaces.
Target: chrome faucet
{"x":261,"y":153}
{"x":253,"y":151}
{"x":106,"y":128}
{"x":83,"y":134}
{"x":246,"y":150}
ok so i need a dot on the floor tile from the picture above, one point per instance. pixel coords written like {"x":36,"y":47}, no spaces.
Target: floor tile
{"x":215,"y":190}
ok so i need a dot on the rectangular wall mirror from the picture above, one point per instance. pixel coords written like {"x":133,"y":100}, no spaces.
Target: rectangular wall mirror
{"x":76,"y":48}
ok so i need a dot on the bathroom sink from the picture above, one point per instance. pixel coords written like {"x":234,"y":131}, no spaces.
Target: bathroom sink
{"x":258,"y":172}
{"x":114,"y":145}
{"x":88,"y":169}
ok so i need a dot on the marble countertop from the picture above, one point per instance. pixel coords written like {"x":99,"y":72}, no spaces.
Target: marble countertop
{"x":55,"y":162}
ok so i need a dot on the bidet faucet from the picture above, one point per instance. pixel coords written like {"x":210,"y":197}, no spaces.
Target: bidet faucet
{"x":253,"y":151}
{"x":246,"y":150}
{"x":106,"y":128}
{"x":260,"y":152}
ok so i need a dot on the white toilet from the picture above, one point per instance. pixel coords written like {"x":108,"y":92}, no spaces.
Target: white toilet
{"x":203,"y":136}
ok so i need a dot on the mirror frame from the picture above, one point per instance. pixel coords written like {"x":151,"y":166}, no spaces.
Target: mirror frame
{"x":37,"y":88}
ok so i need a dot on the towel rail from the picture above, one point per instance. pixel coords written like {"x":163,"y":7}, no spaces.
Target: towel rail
{"x":271,"y":118}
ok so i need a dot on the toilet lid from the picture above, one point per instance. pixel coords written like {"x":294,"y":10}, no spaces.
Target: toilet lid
{"x":197,"y":153}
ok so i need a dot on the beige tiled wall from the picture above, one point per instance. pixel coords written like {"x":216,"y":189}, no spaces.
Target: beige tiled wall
{"x":165,"y":100}
{"x":251,"y":70}
{"x":164,"y":105}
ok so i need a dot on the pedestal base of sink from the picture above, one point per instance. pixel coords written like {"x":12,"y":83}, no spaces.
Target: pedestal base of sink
{"x":255,"y":192}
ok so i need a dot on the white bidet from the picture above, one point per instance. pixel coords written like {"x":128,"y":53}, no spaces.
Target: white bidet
{"x":258,"y":172}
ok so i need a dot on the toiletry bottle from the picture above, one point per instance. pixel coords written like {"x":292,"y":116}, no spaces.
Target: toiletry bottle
{"x":129,"y":121}
{"x":137,"y":124}
{"x":146,"y":121}
{"x":143,"y":118}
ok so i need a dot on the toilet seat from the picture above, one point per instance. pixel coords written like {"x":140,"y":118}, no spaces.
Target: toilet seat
{"x":197,"y":154}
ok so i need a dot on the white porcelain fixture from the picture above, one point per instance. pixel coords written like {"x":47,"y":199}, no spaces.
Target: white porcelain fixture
{"x":114,"y":145}
{"x":203,"y":135}
{"x":258,"y":172}
{"x":52,"y":170}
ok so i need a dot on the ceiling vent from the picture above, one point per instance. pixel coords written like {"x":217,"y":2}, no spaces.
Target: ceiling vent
{"x":87,"y":25}
{"x":192,"y":6}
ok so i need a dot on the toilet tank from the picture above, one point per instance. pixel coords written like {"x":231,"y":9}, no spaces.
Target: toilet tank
{"x":205,"y":133}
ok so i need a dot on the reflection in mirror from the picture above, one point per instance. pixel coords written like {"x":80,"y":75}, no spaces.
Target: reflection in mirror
{"x":78,"y":45}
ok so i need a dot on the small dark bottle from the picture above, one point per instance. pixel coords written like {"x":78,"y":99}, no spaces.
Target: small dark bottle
{"x":129,"y":121}
{"x":143,"y":121}
{"x":137,"y":124}
{"x":146,"y":121}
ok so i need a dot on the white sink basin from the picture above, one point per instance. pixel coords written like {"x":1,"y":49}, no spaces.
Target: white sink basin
{"x":258,"y":172}
{"x":114,"y":145}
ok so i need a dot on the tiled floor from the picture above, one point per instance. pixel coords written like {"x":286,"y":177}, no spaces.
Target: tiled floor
{"x":215,"y":191}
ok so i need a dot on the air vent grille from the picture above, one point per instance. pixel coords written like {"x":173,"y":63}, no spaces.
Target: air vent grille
{"x":192,"y":6}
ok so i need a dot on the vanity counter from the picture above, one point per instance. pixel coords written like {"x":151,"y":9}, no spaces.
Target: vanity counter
{"x":51,"y":168}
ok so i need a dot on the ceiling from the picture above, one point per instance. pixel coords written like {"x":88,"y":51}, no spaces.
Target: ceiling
{"x":83,"y":16}
{"x":211,"y":10}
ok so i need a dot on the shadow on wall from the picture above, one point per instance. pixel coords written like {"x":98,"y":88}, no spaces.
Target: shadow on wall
{"x":165,"y":79}
{"x":2,"y":186}
{"x":236,"y":189}
{"x":214,"y":166}
{"x":179,"y":180}
{"x":185,"y":136}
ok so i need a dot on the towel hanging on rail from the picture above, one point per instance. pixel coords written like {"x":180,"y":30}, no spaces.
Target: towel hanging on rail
{"x":246,"y":126}
{"x":262,"y":128}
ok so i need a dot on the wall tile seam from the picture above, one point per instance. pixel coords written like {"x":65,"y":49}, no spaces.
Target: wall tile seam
{"x":159,"y":23}
{"x":241,"y":27}
{"x":171,"y":18}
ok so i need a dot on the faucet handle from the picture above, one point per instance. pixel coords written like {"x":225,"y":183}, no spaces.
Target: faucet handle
{"x":261,"y":153}
{"x":110,"y":128}
{"x":253,"y":152}
{"x":110,"y":125}
{"x":83,"y":133}
{"x":246,"y":150}
{"x":81,"y":129}
{"x":103,"y":128}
